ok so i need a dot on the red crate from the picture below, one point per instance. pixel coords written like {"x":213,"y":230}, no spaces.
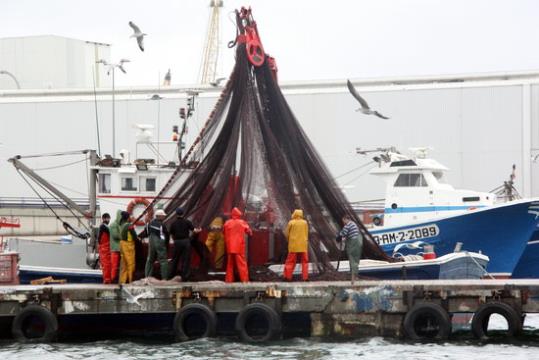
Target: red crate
{"x":8,"y":269}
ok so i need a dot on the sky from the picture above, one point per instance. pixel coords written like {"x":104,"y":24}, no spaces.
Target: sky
{"x":310,"y":40}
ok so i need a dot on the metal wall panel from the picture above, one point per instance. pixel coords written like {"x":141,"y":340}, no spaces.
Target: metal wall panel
{"x":476,"y":131}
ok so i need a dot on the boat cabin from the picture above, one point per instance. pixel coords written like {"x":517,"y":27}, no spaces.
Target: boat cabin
{"x":416,"y":190}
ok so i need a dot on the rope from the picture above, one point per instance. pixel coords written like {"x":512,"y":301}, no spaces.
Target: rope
{"x":482,"y":268}
{"x":60,"y":166}
{"x":351,"y":171}
{"x":64,"y":223}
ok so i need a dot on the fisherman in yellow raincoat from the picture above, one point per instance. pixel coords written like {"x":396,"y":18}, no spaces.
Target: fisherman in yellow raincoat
{"x":297,"y":235}
{"x":215,"y":242}
{"x":128,"y":237}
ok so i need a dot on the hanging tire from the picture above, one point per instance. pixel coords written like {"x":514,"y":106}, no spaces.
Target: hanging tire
{"x":34,"y":324}
{"x":258,"y":323}
{"x":194,"y":321}
{"x":427,"y":321}
{"x":481,"y":319}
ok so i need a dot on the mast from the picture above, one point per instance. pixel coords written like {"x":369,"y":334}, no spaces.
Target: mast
{"x":210,"y":55}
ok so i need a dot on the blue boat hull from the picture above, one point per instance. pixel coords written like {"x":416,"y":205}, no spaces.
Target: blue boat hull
{"x":500,"y":232}
{"x":82,"y":277}
{"x":528,"y":265}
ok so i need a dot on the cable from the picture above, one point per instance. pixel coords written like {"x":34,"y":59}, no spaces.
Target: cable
{"x":351,"y":171}
{"x":59,"y":166}
{"x":74,"y":152}
{"x":357,"y":177}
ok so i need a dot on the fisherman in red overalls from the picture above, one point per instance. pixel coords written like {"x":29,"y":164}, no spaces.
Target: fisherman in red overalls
{"x":234,"y":231}
{"x":103,"y":239}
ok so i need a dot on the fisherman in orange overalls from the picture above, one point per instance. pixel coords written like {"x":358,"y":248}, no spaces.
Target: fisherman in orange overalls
{"x":234,"y":231}
{"x":103,"y":239}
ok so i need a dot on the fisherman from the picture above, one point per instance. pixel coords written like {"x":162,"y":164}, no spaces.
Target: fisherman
{"x":127,"y":249}
{"x":103,"y":239}
{"x":234,"y":232}
{"x":115,"y":230}
{"x":158,"y":244}
{"x":297,"y":235}
{"x":353,"y":243}
{"x":179,"y":230}
{"x":215,"y":242}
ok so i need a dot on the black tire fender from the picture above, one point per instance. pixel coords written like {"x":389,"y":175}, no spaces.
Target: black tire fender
{"x":426,"y":314}
{"x":482,"y":315}
{"x":20,"y":325}
{"x":184,"y":316}
{"x":261,"y":310}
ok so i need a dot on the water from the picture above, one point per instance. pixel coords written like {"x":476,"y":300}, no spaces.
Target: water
{"x":373,"y":348}
{"x":526,"y":347}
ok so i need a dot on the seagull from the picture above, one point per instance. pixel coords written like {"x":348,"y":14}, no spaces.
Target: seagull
{"x":217,"y":81}
{"x":138,"y":34}
{"x":365,"y":109}
{"x":121,"y":65}
{"x":134,"y":299}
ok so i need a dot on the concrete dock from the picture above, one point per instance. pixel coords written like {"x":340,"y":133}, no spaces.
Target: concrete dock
{"x":419,"y":310}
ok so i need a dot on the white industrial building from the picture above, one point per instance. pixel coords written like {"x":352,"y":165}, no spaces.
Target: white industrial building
{"x":51,"y":62}
{"x":478,"y":126}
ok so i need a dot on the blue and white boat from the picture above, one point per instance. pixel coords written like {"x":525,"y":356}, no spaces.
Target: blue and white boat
{"x":528,"y":265}
{"x":457,"y":265}
{"x":27,"y":273}
{"x":420,"y":206}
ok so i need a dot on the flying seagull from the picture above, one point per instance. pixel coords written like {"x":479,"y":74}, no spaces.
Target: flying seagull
{"x":365,"y":109}
{"x":121,"y":65}
{"x":138,"y":34}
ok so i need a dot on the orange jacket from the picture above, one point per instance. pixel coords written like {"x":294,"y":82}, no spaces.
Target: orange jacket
{"x":234,"y":231}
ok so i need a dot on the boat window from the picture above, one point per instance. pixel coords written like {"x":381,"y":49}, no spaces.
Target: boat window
{"x":128,"y":184}
{"x":410,"y":180}
{"x":439,"y":176}
{"x":149,"y":184}
{"x":104,"y":183}
{"x":403,"y":163}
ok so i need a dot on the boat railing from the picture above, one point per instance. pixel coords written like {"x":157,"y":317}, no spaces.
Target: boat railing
{"x":35,"y":202}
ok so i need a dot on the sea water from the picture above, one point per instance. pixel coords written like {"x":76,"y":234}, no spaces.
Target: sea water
{"x":464,"y":347}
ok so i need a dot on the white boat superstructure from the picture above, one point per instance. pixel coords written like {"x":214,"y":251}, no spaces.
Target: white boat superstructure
{"x":131,"y":185}
{"x":416,"y":191}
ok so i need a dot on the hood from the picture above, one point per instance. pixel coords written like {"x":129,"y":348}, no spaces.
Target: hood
{"x":216,"y":223}
{"x":297,"y":214}
{"x":118,"y":216}
{"x":236,"y":213}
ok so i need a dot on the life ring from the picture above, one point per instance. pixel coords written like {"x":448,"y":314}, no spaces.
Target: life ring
{"x":194,"y":321}
{"x":140,"y":201}
{"x":257,"y":323}
{"x":34,"y":324}
{"x":427,"y":321}
{"x":481,"y":318}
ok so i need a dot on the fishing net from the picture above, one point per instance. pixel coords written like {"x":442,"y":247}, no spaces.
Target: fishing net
{"x":261,"y":161}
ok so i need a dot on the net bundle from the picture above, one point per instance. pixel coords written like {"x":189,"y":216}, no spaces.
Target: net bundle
{"x":261,"y":161}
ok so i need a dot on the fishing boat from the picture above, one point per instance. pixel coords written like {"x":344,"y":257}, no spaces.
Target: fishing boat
{"x":419,"y":205}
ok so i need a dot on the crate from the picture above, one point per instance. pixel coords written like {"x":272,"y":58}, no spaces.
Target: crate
{"x":8,"y":268}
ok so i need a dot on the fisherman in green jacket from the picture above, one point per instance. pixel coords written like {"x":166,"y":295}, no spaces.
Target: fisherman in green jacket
{"x":128,"y":236}
{"x":115,"y":237}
